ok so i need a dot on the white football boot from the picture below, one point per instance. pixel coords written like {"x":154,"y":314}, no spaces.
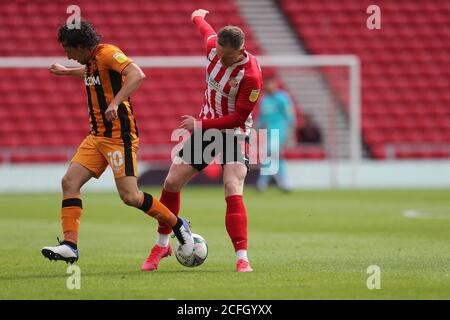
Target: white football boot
{"x":62,"y":252}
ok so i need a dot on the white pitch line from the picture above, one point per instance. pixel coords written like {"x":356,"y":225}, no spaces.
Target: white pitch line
{"x":415,"y":214}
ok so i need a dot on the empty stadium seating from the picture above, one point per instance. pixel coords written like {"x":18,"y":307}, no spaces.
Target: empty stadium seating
{"x":40,"y":111}
{"x":43,"y":116}
{"x":405,"y":68}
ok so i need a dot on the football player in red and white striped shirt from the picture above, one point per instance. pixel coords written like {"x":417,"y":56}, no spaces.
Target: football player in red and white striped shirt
{"x":234,"y":82}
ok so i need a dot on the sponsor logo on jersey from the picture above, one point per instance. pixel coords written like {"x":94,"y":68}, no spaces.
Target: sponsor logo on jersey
{"x":92,"y":81}
{"x":233,"y":82}
{"x":120,"y":57}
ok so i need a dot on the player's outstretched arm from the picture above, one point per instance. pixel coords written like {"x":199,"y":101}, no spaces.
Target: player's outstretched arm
{"x":198,"y":17}
{"x":245,"y":102}
{"x":61,"y":70}
{"x":208,"y":33}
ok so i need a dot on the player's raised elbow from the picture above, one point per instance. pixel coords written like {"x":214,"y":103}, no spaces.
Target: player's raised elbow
{"x":141,"y":75}
{"x":134,"y":72}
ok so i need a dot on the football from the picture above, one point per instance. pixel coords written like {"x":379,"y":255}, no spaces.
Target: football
{"x":197,"y":257}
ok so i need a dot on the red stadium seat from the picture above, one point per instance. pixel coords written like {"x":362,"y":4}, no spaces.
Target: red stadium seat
{"x":405,"y":74}
{"x":41,"y":110}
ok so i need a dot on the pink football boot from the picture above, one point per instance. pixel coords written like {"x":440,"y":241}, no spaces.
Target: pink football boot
{"x":155,"y":256}
{"x":243,"y":266}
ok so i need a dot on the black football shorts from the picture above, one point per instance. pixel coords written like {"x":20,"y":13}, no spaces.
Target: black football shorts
{"x":203,"y":147}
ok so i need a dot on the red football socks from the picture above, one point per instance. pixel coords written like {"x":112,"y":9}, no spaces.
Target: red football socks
{"x":236,"y":222}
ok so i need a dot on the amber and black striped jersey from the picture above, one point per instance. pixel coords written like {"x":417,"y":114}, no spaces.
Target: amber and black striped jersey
{"x":103,"y":80}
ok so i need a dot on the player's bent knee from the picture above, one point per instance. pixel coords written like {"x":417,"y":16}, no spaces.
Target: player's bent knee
{"x":65,"y":183}
{"x":69,"y":184}
{"x":131,"y":199}
{"x":172,"y":185}
{"x":233,"y":188}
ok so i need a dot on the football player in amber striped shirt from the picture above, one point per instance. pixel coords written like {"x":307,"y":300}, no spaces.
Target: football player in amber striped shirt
{"x":110,"y":78}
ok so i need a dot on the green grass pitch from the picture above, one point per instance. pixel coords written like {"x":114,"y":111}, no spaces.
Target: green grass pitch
{"x":303,"y":245}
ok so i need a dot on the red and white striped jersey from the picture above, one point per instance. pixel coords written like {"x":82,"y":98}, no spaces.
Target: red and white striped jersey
{"x":232,"y":92}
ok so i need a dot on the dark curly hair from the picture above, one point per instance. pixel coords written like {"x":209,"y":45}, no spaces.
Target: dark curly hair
{"x":85,"y":36}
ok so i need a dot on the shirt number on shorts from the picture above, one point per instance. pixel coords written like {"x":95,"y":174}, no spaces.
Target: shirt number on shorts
{"x":115,"y":158}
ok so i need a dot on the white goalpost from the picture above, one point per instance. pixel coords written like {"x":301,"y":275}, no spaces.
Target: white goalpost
{"x":347,"y":66}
